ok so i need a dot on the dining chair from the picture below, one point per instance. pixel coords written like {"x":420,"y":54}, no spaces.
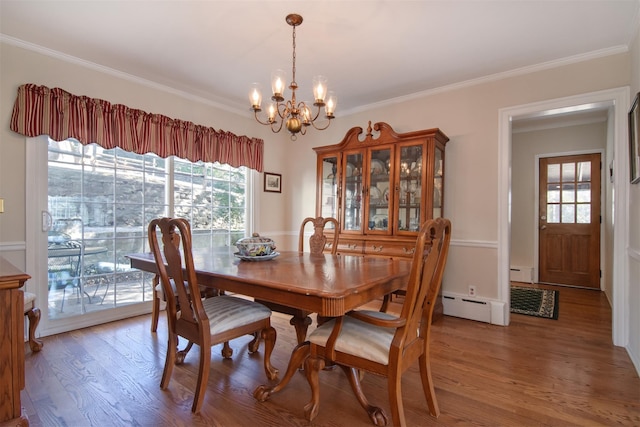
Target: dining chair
{"x":382,"y":343}
{"x":33,"y":315}
{"x":204,"y":322}
{"x":318,"y":240}
{"x":158,"y":295}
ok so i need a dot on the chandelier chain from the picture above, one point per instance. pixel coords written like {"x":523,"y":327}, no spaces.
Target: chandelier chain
{"x":293,"y":76}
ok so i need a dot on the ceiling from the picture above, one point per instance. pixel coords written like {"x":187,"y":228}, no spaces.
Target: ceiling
{"x":371,"y":51}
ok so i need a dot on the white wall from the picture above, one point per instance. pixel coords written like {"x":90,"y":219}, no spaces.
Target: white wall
{"x":634,"y":231}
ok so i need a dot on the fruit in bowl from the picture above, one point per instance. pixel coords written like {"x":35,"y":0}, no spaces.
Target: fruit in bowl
{"x":255,"y":246}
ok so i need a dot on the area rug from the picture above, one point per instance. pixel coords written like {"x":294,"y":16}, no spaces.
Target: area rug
{"x":534,"y":302}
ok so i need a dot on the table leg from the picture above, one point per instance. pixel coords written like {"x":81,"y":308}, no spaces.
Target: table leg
{"x":298,"y":356}
{"x":300,"y":320}
{"x":301,"y":323}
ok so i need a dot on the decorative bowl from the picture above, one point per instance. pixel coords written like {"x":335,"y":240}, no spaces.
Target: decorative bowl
{"x":255,"y":246}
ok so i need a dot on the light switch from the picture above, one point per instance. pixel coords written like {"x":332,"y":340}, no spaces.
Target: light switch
{"x":1,"y":205}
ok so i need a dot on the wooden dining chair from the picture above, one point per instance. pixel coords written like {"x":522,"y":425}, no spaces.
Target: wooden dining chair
{"x":32,"y":312}
{"x":382,"y":343}
{"x":158,"y":296}
{"x":204,"y":322}
{"x":318,"y":240}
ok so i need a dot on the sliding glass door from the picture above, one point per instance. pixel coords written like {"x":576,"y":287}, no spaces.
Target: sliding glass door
{"x":98,"y":205}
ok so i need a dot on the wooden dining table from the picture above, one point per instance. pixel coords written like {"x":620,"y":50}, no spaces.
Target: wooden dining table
{"x":297,"y":283}
{"x":329,"y":285}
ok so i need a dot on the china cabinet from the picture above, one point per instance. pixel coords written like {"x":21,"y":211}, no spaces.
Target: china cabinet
{"x":381,"y":186}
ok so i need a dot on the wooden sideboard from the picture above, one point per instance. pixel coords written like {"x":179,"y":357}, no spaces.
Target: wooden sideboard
{"x":11,"y":344}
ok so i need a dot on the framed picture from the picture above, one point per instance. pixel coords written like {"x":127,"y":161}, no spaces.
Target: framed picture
{"x":634,"y":149}
{"x":272,"y":182}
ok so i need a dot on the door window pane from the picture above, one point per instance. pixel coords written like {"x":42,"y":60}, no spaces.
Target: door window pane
{"x":553,"y":193}
{"x":584,"y":172}
{"x":584,"y":214}
{"x":568,"y":193}
{"x":568,"y":172}
{"x":584,"y":192}
{"x":553,"y":213}
{"x":553,"y":173}
{"x":568,"y":213}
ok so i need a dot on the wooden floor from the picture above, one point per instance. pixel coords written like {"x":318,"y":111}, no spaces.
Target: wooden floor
{"x":535,"y":372}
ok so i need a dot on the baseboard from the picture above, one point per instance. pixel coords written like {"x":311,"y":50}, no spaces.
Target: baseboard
{"x":474,"y":308}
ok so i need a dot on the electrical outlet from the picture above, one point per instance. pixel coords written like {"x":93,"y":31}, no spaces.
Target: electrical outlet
{"x":472,"y":291}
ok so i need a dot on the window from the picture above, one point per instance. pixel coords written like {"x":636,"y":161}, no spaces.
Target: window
{"x":101,"y":201}
{"x":569,"y":193}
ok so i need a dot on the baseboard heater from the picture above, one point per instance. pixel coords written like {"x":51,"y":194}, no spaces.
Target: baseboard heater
{"x":467,"y":308}
{"x":521,"y":274}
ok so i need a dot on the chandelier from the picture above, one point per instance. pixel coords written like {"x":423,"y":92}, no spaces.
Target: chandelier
{"x":297,"y":115}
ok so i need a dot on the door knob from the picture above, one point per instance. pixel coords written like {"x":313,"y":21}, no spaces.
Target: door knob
{"x":542,"y":227}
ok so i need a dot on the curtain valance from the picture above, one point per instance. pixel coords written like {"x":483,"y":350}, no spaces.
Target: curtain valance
{"x":39,"y":110}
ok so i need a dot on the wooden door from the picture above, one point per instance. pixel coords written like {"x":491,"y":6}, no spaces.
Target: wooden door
{"x":569,"y":226}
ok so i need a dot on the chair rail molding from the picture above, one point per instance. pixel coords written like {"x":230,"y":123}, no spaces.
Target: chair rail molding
{"x":12,"y":246}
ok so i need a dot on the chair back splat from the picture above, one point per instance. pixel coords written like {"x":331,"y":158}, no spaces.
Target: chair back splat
{"x":203,"y":322}
{"x":318,"y":240}
{"x":383,"y":343}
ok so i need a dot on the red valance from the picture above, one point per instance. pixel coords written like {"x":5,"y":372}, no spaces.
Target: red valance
{"x":39,"y":110}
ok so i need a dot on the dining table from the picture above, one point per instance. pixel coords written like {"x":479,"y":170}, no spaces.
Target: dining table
{"x":296,"y":283}
{"x":329,"y":285}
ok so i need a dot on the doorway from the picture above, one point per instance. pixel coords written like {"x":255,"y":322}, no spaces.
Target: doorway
{"x":569,"y":220}
{"x":616,"y":285}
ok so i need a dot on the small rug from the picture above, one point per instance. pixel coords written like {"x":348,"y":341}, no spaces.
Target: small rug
{"x":534,"y":302}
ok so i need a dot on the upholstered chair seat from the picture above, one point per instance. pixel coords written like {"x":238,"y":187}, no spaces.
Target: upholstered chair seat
{"x":359,"y":338}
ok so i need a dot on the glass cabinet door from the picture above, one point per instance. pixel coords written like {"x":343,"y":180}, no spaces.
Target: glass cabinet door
{"x":352,"y":192}
{"x":380,"y":191}
{"x":438,"y":183}
{"x":329,"y":190}
{"x":410,"y":187}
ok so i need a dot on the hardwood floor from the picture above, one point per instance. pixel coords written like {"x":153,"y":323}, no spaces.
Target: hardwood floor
{"x":535,"y":372}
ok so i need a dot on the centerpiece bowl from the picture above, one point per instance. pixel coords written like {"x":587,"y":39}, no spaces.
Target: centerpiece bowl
{"x":255,"y":246}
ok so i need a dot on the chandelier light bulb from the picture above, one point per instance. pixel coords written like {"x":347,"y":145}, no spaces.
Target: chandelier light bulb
{"x":331,"y":103}
{"x":278,"y":82}
{"x":306,"y":115}
{"x":255,"y":96}
{"x":319,"y":89}
{"x":272,"y":113}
